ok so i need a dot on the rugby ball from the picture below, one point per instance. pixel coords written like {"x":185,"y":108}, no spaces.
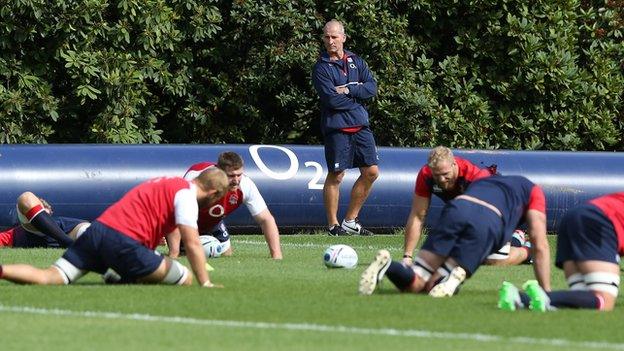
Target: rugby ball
{"x":212,"y":246}
{"x":340,"y":256}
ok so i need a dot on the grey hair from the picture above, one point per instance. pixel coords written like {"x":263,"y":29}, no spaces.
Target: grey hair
{"x":334,"y":22}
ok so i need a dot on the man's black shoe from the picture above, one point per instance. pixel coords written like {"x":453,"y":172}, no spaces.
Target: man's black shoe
{"x":337,"y":230}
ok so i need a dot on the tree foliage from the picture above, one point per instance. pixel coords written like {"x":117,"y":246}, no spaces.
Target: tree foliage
{"x":464,"y":73}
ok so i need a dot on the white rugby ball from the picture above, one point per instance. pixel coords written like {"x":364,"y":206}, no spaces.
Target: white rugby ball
{"x":340,"y":256}
{"x":212,"y":246}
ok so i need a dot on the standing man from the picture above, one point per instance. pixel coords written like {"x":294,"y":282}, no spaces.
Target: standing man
{"x":343,"y":81}
{"x":590,"y":242}
{"x":448,"y":176}
{"x":471,"y":227}
{"x":124,"y":237}
{"x":242,"y":190}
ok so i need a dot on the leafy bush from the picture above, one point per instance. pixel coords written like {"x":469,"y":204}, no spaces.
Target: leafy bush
{"x":499,"y":74}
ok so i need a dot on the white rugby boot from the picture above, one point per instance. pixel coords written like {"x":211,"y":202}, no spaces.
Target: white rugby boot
{"x":449,"y":285}
{"x":375,"y":272}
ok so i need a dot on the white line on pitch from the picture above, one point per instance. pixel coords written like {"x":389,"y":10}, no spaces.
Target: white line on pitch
{"x":563,"y":343}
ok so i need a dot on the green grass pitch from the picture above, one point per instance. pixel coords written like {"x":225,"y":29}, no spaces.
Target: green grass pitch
{"x":293,"y":304}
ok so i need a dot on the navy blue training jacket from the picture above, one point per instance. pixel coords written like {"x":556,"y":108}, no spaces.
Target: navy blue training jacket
{"x":343,"y":110}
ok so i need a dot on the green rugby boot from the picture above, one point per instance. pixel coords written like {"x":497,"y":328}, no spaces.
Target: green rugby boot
{"x":509,"y":297}
{"x":540,"y":302}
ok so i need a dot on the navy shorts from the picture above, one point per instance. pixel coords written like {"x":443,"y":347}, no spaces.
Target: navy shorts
{"x":101,"y":247}
{"x":25,"y":239}
{"x":467,"y":232}
{"x":586,"y":234}
{"x":220,"y":232}
{"x":350,"y":150}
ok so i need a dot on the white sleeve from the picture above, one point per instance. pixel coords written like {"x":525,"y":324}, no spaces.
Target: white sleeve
{"x":251,"y":196}
{"x":193,"y":172}
{"x":186,"y":208}
{"x":190,"y":175}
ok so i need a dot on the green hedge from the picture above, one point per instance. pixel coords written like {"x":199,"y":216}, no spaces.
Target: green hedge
{"x":483,"y":74}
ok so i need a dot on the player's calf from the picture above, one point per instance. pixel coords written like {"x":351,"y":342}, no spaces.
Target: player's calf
{"x":26,"y":274}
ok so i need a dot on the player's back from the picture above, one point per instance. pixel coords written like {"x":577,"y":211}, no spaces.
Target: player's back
{"x":613,"y":207}
{"x":146,"y":212}
{"x":511,"y":195}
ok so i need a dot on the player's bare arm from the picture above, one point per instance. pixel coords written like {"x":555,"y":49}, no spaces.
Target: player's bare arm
{"x":195,"y":254}
{"x":413,"y":228}
{"x":173,"y":243}
{"x":536,"y":221}
{"x":266,"y":221}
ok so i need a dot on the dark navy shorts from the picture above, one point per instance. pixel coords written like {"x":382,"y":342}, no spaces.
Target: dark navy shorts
{"x":101,"y":247}
{"x":25,"y":239}
{"x":220,"y":232}
{"x":350,"y":150}
{"x":586,"y":234}
{"x":467,"y":232}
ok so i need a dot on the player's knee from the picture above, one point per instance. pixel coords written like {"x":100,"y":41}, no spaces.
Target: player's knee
{"x":25,"y":202}
{"x":226,"y":248}
{"x":80,"y":229}
{"x":500,"y":257}
{"x":228,"y":252}
{"x":417,"y":286}
{"x":177,"y":274}
{"x":576,"y":281}
{"x":334,"y":178}
{"x":63,"y":272}
{"x":27,"y":199}
{"x":188,"y":281}
{"x":422,"y":275}
{"x":52,"y":276}
{"x":603,"y":283}
{"x":371,"y":173}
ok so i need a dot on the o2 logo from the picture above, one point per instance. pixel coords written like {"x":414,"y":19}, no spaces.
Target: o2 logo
{"x":292,"y":170}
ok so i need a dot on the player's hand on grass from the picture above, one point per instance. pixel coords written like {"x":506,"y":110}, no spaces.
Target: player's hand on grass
{"x":210,"y":284}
